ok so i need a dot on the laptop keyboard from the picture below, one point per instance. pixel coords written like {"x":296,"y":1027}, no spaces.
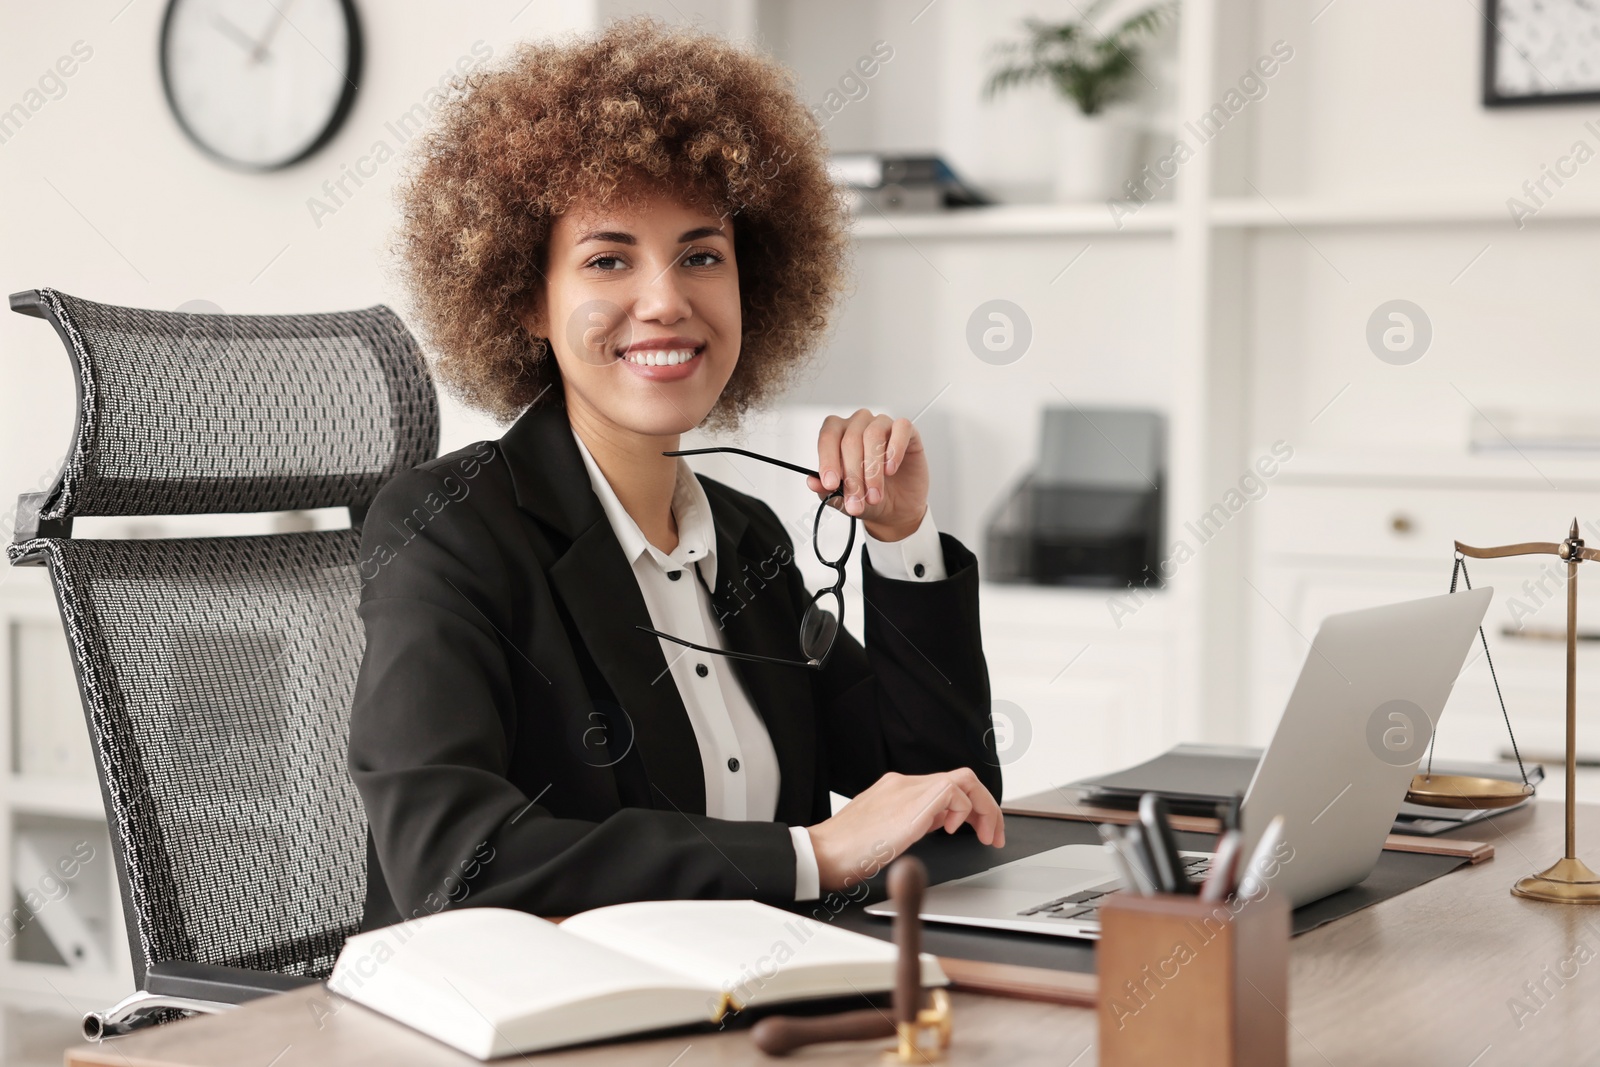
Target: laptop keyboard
{"x":1083,"y":904}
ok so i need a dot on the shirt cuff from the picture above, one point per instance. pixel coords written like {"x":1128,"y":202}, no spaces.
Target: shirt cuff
{"x":807,"y":879}
{"x":917,"y":557}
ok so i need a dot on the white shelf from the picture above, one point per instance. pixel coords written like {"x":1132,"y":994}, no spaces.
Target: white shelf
{"x":1069,"y":220}
{"x":1015,"y":220}
{"x":1453,"y":208}
{"x":56,"y":796}
{"x":1531,"y":469}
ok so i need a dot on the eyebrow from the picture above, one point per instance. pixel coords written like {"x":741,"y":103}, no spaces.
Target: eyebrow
{"x":621,"y":238}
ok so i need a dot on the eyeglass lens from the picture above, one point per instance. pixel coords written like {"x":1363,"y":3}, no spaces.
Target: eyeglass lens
{"x":831,"y":534}
{"x":820,"y":624}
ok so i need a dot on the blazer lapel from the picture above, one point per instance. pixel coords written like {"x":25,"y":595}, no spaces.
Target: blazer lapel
{"x":595,"y":582}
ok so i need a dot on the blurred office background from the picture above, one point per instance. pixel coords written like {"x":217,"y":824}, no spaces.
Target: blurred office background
{"x":1360,"y":300}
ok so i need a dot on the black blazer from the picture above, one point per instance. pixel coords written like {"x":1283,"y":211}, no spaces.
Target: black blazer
{"x":517,"y":742}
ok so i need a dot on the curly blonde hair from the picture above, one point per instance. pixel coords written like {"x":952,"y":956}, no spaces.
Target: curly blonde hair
{"x":599,"y":119}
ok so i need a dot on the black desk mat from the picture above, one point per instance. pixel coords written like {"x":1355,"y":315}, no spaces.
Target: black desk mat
{"x":953,"y":856}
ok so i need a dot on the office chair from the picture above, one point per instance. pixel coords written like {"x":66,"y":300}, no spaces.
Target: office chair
{"x":217,"y":672}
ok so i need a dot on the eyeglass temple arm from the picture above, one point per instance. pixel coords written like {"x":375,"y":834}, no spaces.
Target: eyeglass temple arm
{"x":752,"y":455}
{"x":750,"y":656}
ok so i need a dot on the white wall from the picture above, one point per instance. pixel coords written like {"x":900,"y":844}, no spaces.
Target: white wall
{"x":106,"y":199}
{"x":1385,"y":96}
{"x":1381,"y":103}
{"x":1515,"y":332}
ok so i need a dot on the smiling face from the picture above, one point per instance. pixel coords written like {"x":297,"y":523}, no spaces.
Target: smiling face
{"x":640,"y":305}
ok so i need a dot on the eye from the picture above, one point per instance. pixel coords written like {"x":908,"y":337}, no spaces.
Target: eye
{"x":706,"y":257}
{"x":605,"y":261}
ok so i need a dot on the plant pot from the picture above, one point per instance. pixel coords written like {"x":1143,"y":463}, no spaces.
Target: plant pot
{"x":1095,"y":156}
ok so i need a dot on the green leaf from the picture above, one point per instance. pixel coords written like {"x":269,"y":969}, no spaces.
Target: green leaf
{"x":1085,"y":66}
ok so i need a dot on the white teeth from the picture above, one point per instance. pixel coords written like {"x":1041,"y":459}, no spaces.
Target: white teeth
{"x":665,"y":358}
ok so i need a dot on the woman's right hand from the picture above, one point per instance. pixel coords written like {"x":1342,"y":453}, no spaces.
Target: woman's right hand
{"x":895,"y":811}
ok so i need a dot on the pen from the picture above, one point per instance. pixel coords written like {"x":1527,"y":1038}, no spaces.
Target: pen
{"x":1220,"y":880}
{"x":1166,"y":864}
{"x":1124,"y":871}
{"x":1138,"y":852}
{"x":1133,"y":877}
{"x":1252,"y":878}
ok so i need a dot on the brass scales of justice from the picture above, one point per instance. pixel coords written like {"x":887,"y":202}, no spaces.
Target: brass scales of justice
{"x":1569,"y":880}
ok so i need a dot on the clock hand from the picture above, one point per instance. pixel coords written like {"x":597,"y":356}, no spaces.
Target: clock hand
{"x":260,"y":52}
{"x":230,"y":30}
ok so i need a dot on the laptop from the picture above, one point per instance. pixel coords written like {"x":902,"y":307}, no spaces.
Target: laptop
{"x":1358,"y":721}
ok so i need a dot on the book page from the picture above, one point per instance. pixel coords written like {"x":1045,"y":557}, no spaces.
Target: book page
{"x":754,"y":951}
{"x":491,"y":981}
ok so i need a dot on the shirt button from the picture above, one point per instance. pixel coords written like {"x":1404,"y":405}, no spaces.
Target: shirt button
{"x":700,"y":669}
{"x":918,"y":570}
{"x":733,"y":763}
{"x":674,"y":575}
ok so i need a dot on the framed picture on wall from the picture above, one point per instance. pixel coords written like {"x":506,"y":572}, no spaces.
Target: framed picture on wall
{"x":1541,"y":52}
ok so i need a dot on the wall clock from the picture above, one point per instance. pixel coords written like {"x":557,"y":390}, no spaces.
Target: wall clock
{"x":260,"y":84}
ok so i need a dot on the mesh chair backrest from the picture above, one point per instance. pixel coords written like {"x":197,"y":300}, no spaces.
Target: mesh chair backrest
{"x":217,"y":673}
{"x":182,"y":414}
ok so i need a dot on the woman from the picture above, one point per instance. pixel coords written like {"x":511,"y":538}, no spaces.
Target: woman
{"x":621,"y":239}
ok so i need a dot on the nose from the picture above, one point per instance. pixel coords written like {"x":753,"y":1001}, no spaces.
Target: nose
{"x":661,"y":297}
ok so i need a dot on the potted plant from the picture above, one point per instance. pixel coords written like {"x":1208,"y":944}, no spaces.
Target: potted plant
{"x":1090,"y":70}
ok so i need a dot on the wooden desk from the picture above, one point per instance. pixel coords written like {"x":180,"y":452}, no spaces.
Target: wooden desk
{"x":1428,"y":977}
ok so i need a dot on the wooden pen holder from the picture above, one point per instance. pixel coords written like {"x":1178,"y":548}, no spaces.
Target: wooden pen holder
{"x":1194,"y":982}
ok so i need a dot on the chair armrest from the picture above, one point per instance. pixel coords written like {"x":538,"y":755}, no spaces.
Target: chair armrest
{"x":223,"y":985}
{"x":27,"y":302}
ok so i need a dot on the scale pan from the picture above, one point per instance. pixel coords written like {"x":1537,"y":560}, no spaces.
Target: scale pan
{"x":1462,"y":791}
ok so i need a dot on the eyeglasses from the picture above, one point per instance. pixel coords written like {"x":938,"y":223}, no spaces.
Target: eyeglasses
{"x":820,"y":624}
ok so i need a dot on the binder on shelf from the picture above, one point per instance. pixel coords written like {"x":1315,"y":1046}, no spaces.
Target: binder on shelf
{"x":902,"y":183}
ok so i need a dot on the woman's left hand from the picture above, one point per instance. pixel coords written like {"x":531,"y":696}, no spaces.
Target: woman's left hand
{"x":883,"y":468}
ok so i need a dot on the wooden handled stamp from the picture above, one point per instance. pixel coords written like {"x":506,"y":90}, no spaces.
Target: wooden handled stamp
{"x":779,"y":1035}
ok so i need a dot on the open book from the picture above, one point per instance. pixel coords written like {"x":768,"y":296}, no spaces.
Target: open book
{"x":492,"y":981}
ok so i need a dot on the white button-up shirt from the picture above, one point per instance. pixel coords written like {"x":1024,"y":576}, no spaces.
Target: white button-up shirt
{"x":736,"y":755}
